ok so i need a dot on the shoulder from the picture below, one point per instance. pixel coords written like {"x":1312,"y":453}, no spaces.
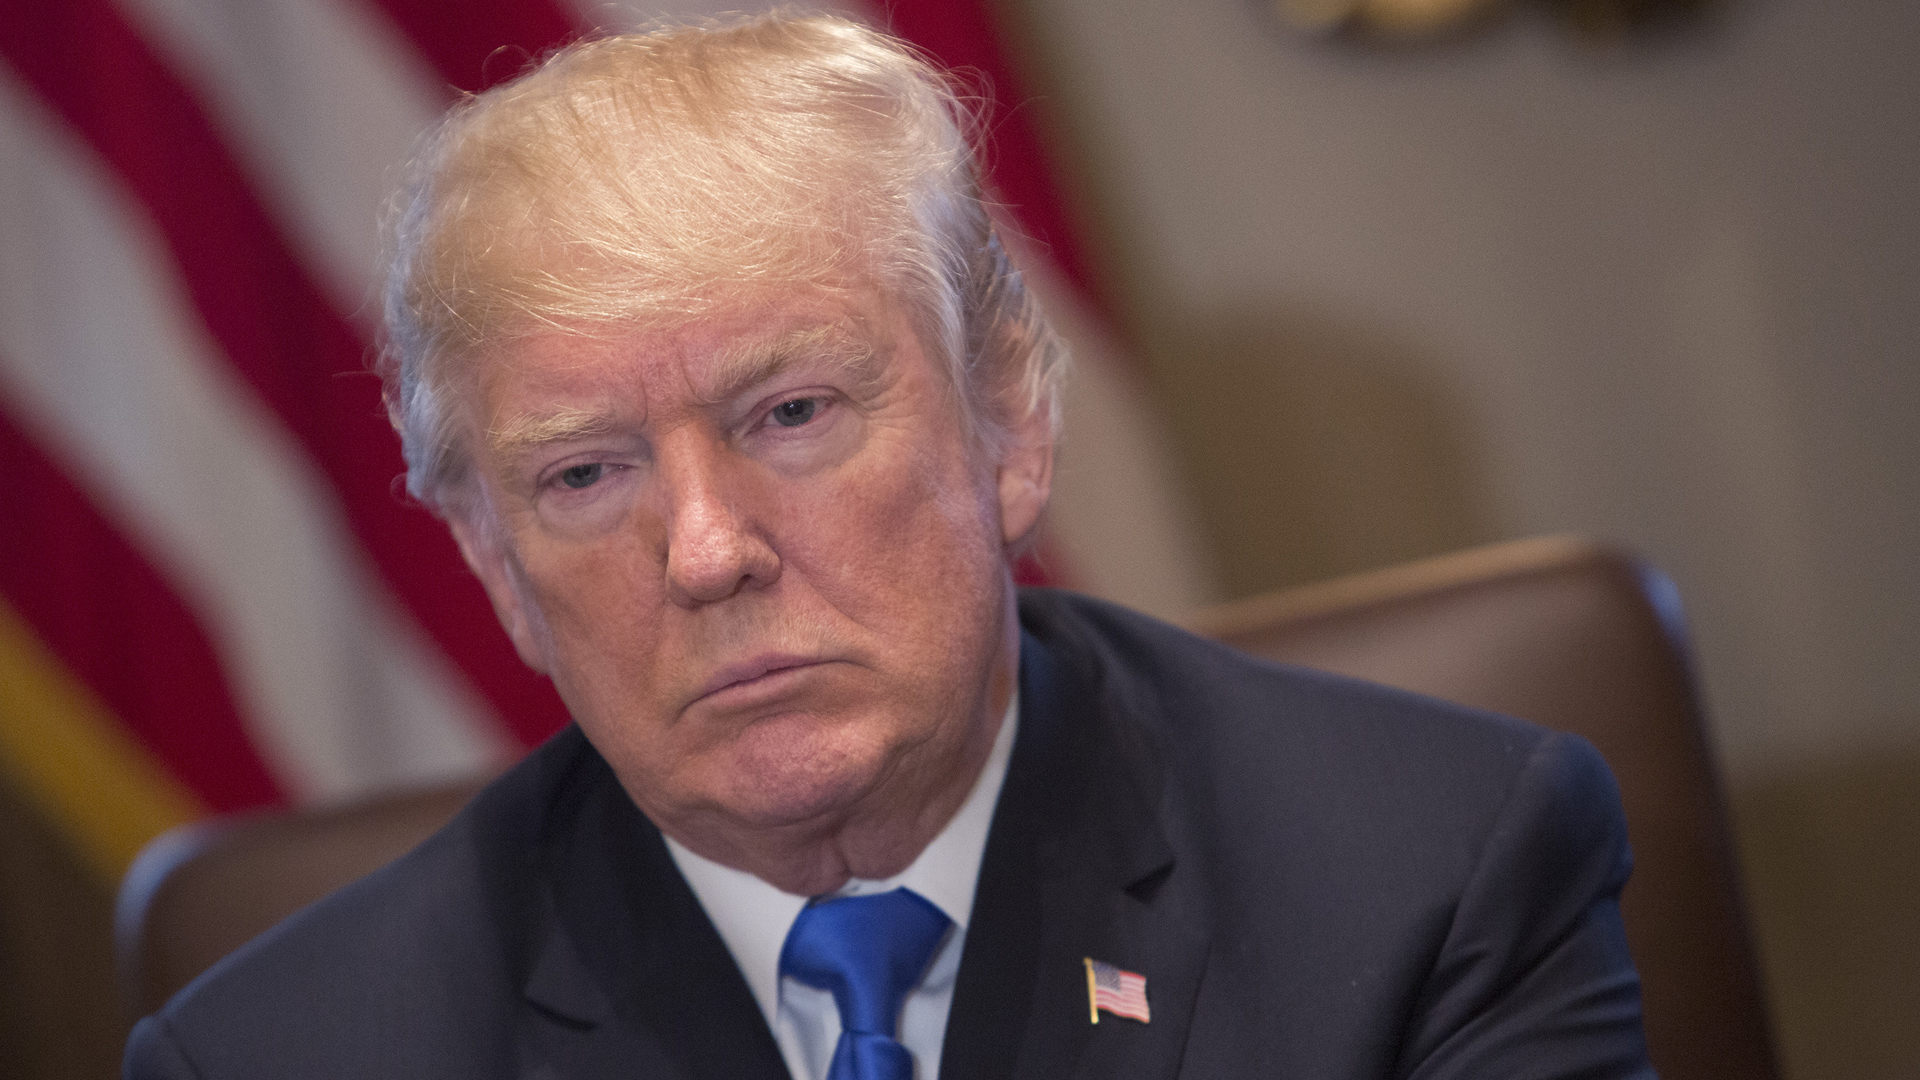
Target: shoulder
{"x":1377,"y":786}
{"x":1197,"y":691}
{"x":413,"y":964}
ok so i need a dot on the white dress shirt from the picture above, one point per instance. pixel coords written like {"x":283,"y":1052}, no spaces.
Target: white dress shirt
{"x":753,"y":918}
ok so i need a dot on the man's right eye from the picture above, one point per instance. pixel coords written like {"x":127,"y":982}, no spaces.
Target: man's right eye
{"x":579,"y":476}
{"x":796,"y":412}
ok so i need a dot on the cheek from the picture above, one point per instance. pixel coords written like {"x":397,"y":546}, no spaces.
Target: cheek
{"x":600,"y":604}
{"x":892,"y":533}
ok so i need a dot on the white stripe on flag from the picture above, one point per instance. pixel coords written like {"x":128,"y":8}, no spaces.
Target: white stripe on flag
{"x":321,"y":101}
{"x":105,"y":359}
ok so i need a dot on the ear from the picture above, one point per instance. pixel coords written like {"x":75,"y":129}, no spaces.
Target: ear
{"x":1026,"y":479}
{"x":494,"y":565}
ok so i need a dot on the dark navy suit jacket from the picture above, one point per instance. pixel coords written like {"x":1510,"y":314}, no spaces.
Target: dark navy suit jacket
{"x":1319,"y":878}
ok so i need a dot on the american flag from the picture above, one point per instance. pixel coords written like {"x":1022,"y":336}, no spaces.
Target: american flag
{"x":1121,"y":993}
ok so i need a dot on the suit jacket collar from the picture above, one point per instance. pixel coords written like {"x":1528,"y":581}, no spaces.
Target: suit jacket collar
{"x":627,"y":972}
{"x":1077,"y":865}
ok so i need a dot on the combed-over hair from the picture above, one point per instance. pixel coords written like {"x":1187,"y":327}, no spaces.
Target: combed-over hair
{"x":648,"y":178}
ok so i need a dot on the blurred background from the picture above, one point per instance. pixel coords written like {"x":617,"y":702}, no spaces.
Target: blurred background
{"x":1351,"y":282}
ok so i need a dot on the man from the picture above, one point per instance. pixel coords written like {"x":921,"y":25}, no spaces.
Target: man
{"x":704,"y":347}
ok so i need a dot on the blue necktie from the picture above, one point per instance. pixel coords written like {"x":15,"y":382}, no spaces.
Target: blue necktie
{"x":869,"y":951}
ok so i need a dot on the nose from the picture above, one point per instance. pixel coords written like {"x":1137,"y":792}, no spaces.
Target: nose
{"x":715,"y":546}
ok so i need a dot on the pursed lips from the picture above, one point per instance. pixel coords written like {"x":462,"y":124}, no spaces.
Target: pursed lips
{"x":749,"y":675}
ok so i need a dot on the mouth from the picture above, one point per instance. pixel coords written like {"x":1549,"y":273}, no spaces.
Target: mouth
{"x":764,"y":674}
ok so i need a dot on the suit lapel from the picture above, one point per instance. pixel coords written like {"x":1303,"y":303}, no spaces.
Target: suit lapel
{"x":1076,"y":865}
{"x":627,"y":973}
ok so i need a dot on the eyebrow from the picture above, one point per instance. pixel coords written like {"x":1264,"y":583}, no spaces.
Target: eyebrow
{"x":743,"y":366}
{"x":735,"y":370}
{"x":524,"y":433}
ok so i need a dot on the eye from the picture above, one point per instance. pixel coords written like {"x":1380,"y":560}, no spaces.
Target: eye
{"x":796,"y":412}
{"x":579,"y":476}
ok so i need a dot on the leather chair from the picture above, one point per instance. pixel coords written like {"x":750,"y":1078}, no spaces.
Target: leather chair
{"x":1578,"y":637}
{"x":201,"y":891}
{"x":1558,"y":631}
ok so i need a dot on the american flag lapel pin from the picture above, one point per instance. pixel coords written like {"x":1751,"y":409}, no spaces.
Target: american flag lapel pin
{"x":1121,"y":993}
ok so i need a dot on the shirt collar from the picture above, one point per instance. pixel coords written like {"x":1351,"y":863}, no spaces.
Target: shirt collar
{"x":753,"y":916}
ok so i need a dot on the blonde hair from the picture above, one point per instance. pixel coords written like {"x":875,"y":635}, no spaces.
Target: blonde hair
{"x":653,"y":177}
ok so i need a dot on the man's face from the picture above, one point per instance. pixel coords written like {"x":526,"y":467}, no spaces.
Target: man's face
{"x":756,"y":554}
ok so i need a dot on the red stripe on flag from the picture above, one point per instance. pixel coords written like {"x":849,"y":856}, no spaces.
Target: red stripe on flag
{"x":269,"y":318}
{"x":965,"y":34}
{"x":474,"y":44}
{"x":119,"y":628}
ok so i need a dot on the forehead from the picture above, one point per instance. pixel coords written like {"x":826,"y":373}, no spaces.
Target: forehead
{"x":549,"y":388}
{"x":705,"y":352}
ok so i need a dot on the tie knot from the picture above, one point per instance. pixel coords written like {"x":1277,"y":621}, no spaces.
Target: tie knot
{"x":868,"y":950}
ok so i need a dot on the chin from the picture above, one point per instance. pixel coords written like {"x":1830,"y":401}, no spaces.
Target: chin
{"x":789,"y":770}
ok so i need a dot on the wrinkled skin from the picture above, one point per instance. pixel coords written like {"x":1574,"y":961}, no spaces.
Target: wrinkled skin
{"x":765,"y":567}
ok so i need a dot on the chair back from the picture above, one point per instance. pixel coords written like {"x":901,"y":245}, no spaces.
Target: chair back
{"x":201,"y":891}
{"x":1577,"y":637}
